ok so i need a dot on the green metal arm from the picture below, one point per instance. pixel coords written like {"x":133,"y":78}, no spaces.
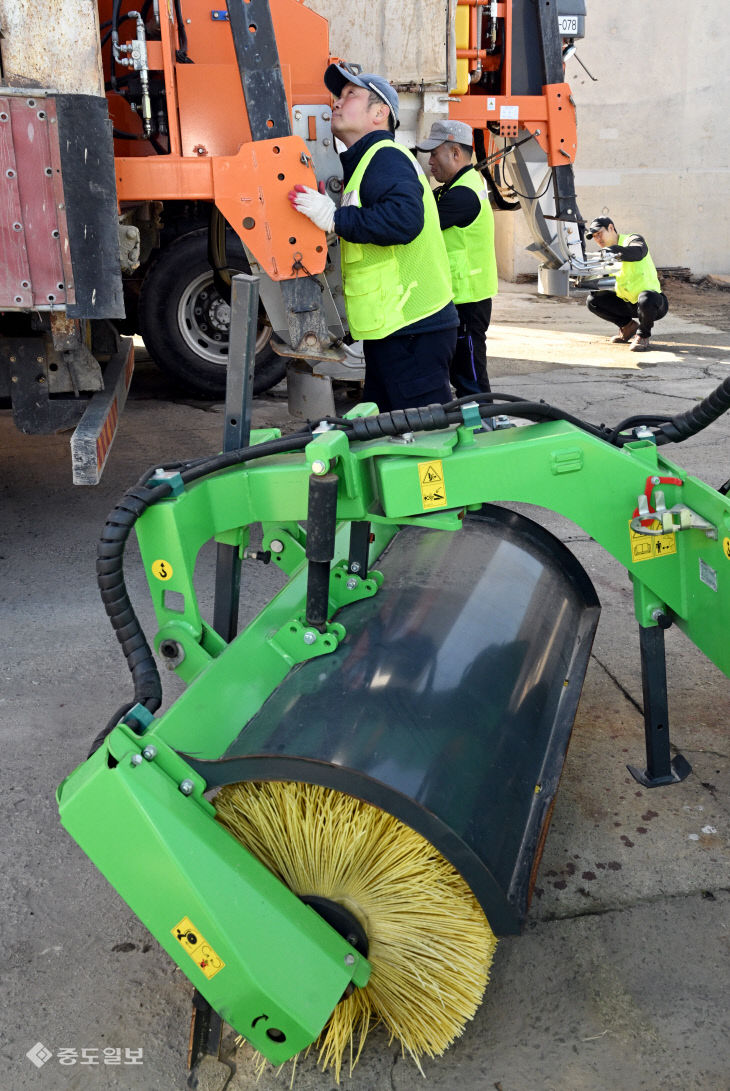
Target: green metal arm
{"x":429,"y":482}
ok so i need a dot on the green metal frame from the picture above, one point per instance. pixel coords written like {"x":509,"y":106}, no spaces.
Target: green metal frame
{"x":162,"y":848}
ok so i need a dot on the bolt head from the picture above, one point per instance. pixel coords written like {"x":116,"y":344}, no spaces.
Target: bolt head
{"x":276,"y":546}
{"x":319,"y":467}
{"x":355,"y":566}
{"x":186,"y":787}
{"x":309,"y":637}
{"x":136,"y":759}
{"x":149,"y":752}
{"x":351,"y":584}
{"x":349,"y":960}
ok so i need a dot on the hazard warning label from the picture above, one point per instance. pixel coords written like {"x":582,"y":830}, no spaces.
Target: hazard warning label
{"x":431,"y":480}
{"x":200,"y":952}
{"x":162,"y":570}
{"x":644,"y":547}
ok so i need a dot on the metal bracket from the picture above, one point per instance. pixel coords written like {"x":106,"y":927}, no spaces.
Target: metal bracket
{"x":345,"y":587}
{"x":686,"y":519}
{"x":297,"y":642}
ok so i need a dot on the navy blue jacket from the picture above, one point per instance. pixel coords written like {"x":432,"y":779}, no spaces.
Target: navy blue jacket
{"x":457,"y":207}
{"x":391,"y":212}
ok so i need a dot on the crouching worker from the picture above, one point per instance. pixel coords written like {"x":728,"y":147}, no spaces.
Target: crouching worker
{"x":638,"y":301}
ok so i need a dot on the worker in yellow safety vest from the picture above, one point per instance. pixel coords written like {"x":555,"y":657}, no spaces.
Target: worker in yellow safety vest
{"x":638,"y":301}
{"x":395,"y":270}
{"x":467,"y":222}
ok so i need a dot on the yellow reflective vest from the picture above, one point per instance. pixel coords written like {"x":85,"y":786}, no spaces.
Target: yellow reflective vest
{"x":636,"y":276}
{"x":472,"y":257}
{"x":389,"y":287}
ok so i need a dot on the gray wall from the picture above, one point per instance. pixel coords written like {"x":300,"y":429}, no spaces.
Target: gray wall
{"x":403,"y":40}
{"x":653,"y":148}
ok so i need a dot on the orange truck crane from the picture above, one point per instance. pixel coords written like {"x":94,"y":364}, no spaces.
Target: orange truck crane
{"x":163,"y":141}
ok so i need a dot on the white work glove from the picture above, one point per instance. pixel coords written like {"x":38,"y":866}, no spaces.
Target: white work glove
{"x":318,"y":207}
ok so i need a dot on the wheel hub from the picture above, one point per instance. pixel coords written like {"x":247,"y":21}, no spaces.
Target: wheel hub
{"x":204,"y":319}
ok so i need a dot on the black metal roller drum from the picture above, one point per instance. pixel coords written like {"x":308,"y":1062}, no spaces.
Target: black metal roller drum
{"x":449,"y":704}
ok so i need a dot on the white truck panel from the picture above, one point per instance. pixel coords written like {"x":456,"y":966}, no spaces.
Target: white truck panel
{"x":53,"y":44}
{"x":405,"y":42}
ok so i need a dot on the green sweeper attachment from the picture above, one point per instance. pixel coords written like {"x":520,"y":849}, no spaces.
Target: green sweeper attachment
{"x":349,"y":801}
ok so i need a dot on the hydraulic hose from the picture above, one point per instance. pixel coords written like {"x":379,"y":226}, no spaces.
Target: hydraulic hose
{"x":483,"y":167}
{"x":431,"y":417}
{"x":110,"y":568}
{"x":695,"y":419}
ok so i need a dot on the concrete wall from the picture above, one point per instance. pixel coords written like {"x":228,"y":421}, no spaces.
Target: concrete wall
{"x":652,"y":145}
{"x":405,"y":41}
{"x":653,"y":151}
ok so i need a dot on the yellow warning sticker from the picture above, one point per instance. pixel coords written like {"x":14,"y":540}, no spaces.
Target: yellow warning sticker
{"x":644,"y":547}
{"x":431,"y":480}
{"x":200,"y":952}
{"x":162,"y":570}
{"x":726,"y":547}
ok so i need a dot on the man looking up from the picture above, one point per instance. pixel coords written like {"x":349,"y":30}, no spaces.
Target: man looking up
{"x":395,"y":270}
{"x":467,"y":222}
{"x":638,"y":294}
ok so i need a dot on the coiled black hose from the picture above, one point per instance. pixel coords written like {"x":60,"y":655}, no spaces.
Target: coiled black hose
{"x":110,"y":569}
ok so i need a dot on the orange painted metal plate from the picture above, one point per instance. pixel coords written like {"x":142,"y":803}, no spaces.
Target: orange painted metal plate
{"x":202,"y":89}
{"x":552,"y":113}
{"x":251,"y":190}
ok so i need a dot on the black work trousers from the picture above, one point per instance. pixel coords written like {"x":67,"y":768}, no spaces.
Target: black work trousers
{"x":648,"y":309}
{"x":468,"y":370}
{"x":403,"y":372}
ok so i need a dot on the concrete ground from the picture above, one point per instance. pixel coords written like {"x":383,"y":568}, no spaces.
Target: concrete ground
{"x":622,"y":977}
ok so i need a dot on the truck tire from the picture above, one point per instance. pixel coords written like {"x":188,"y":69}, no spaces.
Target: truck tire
{"x":184,"y":321}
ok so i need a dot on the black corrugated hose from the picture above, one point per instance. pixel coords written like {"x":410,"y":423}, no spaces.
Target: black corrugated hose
{"x":110,"y":569}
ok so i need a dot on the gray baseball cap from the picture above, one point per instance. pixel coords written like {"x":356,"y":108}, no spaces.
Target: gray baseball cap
{"x":337,"y":75}
{"x":456,"y":131}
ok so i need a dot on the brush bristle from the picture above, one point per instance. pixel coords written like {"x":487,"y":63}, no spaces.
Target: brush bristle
{"x":430,"y":946}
